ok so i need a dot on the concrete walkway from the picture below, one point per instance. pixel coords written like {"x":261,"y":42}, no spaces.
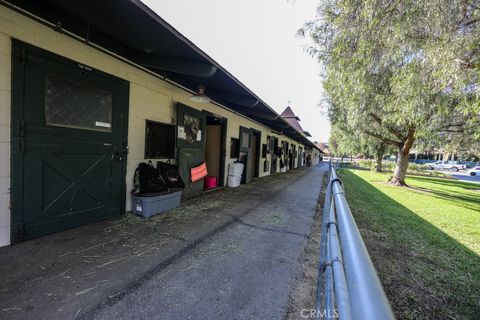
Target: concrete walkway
{"x":229,"y":254}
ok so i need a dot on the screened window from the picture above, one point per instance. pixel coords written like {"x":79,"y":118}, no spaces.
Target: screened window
{"x":159,"y":140}
{"x":234,"y":148}
{"x":245,"y":140}
{"x":271,"y":144}
{"x":73,"y":104}
{"x":264,"y":150}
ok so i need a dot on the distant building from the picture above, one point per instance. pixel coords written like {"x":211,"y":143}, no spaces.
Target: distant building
{"x":323,"y":146}
{"x":291,"y":118}
{"x":310,"y":156}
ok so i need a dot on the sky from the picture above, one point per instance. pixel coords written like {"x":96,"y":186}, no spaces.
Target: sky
{"x":255,"y":40}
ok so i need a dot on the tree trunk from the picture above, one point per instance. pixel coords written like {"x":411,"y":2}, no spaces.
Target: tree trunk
{"x":379,"y":157}
{"x":378,"y":162}
{"x":400,"y":169}
{"x":402,"y":159}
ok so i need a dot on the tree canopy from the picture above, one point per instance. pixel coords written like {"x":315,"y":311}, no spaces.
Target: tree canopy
{"x":400,"y":71}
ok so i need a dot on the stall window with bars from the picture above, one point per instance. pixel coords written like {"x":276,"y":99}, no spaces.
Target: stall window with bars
{"x":159,"y":140}
{"x":77,"y":105}
{"x":234,"y":148}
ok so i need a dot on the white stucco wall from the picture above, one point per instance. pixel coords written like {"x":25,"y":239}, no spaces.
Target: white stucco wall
{"x":150,"y":98}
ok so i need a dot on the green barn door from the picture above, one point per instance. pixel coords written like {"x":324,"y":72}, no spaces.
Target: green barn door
{"x":274,"y":154}
{"x":191,"y":129}
{"x":69,"y":144}
{"x":300,"y":157}
{"x":245,"y":148}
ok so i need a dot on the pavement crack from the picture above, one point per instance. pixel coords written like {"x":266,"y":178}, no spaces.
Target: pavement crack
{"x":172,"y":236}
{"x":240,"y":221}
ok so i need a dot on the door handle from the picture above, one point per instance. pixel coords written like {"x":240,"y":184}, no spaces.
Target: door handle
{"x":120,"y":154}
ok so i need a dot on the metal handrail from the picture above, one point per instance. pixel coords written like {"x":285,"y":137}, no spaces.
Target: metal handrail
{"x":348,"y":286}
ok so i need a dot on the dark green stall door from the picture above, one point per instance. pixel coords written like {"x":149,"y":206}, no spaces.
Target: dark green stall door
{"x":69,"y":142}
{"x":247,"y":153}
{"x":191,"y":129}
{"x":274,"y":154}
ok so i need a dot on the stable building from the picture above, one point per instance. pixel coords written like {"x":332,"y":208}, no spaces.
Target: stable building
{"x":89,"y":90}
{"x":300,"y":158}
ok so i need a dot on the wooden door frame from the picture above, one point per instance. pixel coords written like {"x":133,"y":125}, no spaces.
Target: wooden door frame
{"x":258,"y":133}
{"x":223,"y":147}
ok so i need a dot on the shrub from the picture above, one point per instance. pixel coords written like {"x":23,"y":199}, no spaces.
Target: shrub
{"x":417,"y":167}
{"x":371,"y":164}
{"x":388,"y":165}
{"x":366,"y":163}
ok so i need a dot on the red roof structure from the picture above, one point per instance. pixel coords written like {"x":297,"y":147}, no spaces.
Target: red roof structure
{"x":291,"y":118}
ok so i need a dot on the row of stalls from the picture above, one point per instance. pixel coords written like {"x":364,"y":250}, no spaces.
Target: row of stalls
{"x":86,"y":97}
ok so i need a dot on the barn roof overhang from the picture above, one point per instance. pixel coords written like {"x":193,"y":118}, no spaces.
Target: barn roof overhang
{"x":131,"y":30}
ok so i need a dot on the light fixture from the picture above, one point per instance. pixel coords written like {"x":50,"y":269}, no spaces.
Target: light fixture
{"x":200,"y":95}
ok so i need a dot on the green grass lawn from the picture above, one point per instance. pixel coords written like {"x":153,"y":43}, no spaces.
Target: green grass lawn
{"x":424,"y":241}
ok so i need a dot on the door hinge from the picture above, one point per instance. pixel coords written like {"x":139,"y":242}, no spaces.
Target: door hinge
{"x":84,"y":70}
{"x":20,"y":55}
{"x":17,"y":232}
{"x":20,"y":136}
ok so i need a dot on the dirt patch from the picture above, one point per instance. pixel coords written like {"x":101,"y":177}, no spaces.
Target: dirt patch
{"x":303,"y":294}
{"x":404,"y":291}
{"x":398,"y":268}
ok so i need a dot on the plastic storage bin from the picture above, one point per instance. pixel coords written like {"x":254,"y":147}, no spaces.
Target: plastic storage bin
{"x":150,"y":205}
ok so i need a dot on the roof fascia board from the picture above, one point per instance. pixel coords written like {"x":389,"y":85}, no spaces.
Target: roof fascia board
{"x":189,"y":68}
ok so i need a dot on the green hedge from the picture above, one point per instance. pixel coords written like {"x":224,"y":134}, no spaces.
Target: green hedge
{"x":390,"y":165}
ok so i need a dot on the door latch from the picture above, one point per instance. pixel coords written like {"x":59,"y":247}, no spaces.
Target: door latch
{"x":120,"y":154}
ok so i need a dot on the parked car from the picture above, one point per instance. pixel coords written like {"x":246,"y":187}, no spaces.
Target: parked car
{"x":447,"y":165}
{"x":474,"y":171}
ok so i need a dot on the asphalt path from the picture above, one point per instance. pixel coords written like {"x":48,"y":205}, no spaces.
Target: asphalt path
{"x":464,"y":176}
{"x":246,"y":271}
{"x":228,"y":254}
